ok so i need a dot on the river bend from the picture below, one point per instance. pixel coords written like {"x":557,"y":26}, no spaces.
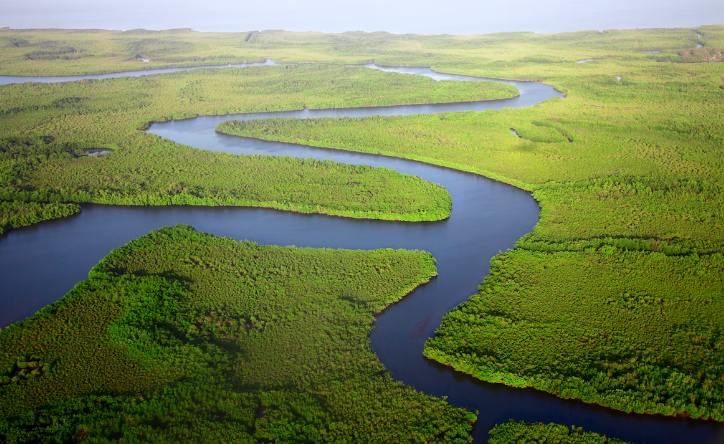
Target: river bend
{"x":487,"y":217}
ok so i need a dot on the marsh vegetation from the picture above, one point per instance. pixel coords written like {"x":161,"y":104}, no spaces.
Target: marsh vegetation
{"x":46,"y":132}
{"x":639,"y":185}
{"x":181,"y":335}
{"x":615,"y":298}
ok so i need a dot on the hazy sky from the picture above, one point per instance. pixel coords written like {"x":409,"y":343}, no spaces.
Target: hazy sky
{"x":401,"y":16}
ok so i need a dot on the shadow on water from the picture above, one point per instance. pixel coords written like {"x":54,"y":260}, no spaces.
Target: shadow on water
{"x":487,"y":217}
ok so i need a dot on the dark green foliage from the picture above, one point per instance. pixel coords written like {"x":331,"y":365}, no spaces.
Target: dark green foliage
{"x":14,"y":42}
{"x":21,"y":214}
{"x":635,"y":331}
{"x":181,"y":336}
{"x":310,"y":186}
{"x":514,"y":432}
{"x":627,"y":169}
{"x":154,"y":47}
{"x":598,"y":303}
{"x":206,"y":178}
{"x":53,"y":53}
{"x":46,"y":128}
{"x":23,"y":369}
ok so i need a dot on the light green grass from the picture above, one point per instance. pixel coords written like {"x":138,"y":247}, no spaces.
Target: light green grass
{"x":44,"y":127}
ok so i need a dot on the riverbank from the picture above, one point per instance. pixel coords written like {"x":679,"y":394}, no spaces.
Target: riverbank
{"x":619,"y":183}
{"x":205,"y":357}
{"x":60,"y":121}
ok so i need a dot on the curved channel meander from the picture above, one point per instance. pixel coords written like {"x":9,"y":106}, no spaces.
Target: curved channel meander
{"x":39,"y":264}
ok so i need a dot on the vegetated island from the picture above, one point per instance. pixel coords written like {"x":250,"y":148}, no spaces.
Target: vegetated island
{"x":616,"y":297}
{"x":520,"y":432}
{"x":184,"y":336}
{"x":45,"y":129}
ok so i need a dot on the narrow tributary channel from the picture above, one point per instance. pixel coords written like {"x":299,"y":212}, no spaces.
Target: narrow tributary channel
{"x":39,"y":264}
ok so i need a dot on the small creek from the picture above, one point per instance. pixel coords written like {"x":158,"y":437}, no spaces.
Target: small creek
{"x":6,"y":80}
{"x":699,"y":44}
{"x":487,"y":217}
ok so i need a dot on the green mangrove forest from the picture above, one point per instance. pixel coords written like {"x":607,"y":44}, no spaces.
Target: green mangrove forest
{"x":616,"y":298}
{"x":44,"y":129}
{"x":184,"y":336}
{"x":519,"y":432}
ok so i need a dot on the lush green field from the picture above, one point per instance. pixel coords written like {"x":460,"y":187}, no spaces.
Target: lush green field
{"x":167,"y":177}
{"x":519,"y":55}
{"x":520,"y":432}
{"x":181,"y":336}
{"x":635,"y":331}
{"x":629,"y":177}
{"x":44,"y":127}
{"x":628,"y":174}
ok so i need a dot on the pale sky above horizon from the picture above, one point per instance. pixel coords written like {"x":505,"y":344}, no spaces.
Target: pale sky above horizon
{"x":400,"y":16}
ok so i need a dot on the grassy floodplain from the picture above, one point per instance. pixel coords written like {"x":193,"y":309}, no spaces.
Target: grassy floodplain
{"x":183,"y":336}
{"x":616,"y":298}
{"x":45,"y":127}
{"x":532,"y":56}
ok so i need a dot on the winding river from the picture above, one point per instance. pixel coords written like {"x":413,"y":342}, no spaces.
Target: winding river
{"x":487,"y":217}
